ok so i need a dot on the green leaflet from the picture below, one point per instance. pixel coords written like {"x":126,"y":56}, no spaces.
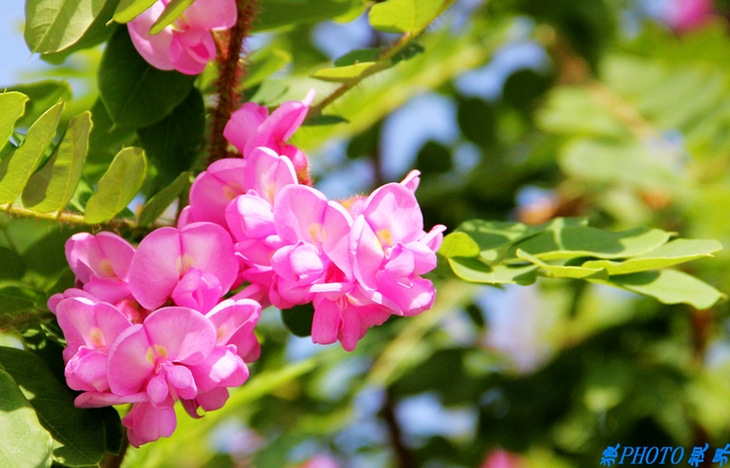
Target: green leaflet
{"x":349,"y":72}
{"x":51,"y":188}
{"x":474,"y":271}
{"x":164,"y":198}
{"x":127,"y":10}
{"x":277,"y":13}
{"x":671,"y":253}
{"x":78,"y":435}
{"x":669,"y":287}
{"x":53,"y":25}
{"x":23,"y":441}
{"x":406,"y":16}
{"x":459,"y":244}
{"x":12,"y":106}
{"x":173,"y":9}
{"x":134,"y":92}
{"x":118,"y":186}
{"x":16,"y":169}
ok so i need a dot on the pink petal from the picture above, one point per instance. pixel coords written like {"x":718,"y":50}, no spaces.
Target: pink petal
{"x":87,"y":371}
{"x":117,"y":251}
{"x":211,"y":14}
{"x":210,"y":249}
{"x":366,"y":252}
{"x":326,"y":322}
{"x":185,"y":334}
{"x":101,"y":399}
{"x":198,"y":290}
{"x":215,"y":188}
{"x":244,"y":124}
{"x":394,"y":215}
{"x":145,"y":423}
{"x":250,"y":217}
{"x":154,"y":49}
{"x":131,"y":361}
{"x":299,"y":214}
{"x":412,"y":180}
{"x":155,"y":269}
{"x":267,"y":173}
{"x":231,"y":316}
{"x":335,"y":236}
{"x":247,"y":345}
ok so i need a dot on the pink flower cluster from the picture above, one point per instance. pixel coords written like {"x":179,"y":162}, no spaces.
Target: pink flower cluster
{"x":150,"y":326}
{"x":173,"y":319}
{"x":187,"y":44}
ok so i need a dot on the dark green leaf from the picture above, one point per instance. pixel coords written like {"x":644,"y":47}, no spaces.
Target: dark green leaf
{"x":173,"y":9}
{"x":164,"y":198}
{"x":53,"y":25}
{"x":349,"y":72}
{"x":325,"y":119}
{"x":16,"y":169}
{"x":118,"y":186}
{"x":23,"y":441}
{"x":358,"y":56}
{"x":299,"y":319}
{"x":78,"y":436}
{"x":135,"y":93}
{"x":50,"y":188}
{"x":173,"y":143}
{"x":276,"y":13}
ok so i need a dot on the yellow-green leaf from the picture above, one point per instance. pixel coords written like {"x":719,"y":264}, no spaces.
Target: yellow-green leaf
{"x":118,"y":186}
{"x":406,"y":16}
{"x":12,"y":106}
{"x":16,"y":168}
{"x":127,"y":10}
{"x":174,"y":9}
{"x":51,"y":188}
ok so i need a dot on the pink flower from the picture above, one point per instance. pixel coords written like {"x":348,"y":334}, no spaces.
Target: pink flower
{"x":502,"y":459}
{"x":186,"y":45}
{"x":686,"y":15}
{"x":101,"y":264}
{"x":194,"y":266}
{"x":251,"y":127}
{"x":389,"y":249}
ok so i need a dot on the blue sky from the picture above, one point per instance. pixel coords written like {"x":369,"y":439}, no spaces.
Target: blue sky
{"x":14,"y":54}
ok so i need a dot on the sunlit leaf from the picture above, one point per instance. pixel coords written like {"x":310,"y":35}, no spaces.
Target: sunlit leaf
{"x":459,"y":244}
{"x":50,"y":188}
{"x":127,"y":10}
{"x":669,"y":287}
{"x":349,"y":72}
{"x":118,"y":186}
{"x":135,"y":93}
{"x":16,"y":169}
{"x":563,"y":271}
{"x":474,"y":271}
{"x":671,"y":253}
{"x":53,"y":25}
{"x":276,"y":13}
{"x":23,"y":441}
{"x":42,"y":95}
{"x":78,"y":435}
{"x":12,"y":106}
{"x":173,"y":9}
{"x":406,"y":16}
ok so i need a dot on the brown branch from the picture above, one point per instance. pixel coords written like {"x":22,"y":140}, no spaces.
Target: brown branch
{"x":115,"y":461}
{"x":230,"y":72}
{"x":403,"y":456}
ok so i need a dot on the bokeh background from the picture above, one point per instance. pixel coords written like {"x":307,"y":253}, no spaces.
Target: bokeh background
{"x":520,"y":110}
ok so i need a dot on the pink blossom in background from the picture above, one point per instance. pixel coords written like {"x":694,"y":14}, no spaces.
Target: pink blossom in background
{"x":503,"y":459}
{"x":187,"y":44}
{"x":686,"y":15}
{"x":321,"y":461}
{"x":252,"y":127}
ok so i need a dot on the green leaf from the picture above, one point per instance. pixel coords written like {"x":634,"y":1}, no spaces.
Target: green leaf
{"x":299,"y":319}
{"x":359,"y":56}
{"x":173,"y":9}
{"x":50,"y":188}
{"x":277,"y":13}
{"x":118,"y":186}
{"x":406,"y":16}
{"x":264,"y":63}
{"x":78,"y":436}
{"x":12,"y":106}
{"x":53,"y":25}
{"x":164,"y":198}
{"x":349,"y":72}
{"x":671,"y":253}
{"x":135,"y":93}
{"x":474,"y":271}
{"x":173,"y":143}
{"x":571,"y":242}
{"x":16,"y":169}
{"x":127,"y":10}
{"x":42,"y":95}
{"x":459,"y":244}
{"x":23,"y":441}
{"x":98,"y":32}
{"x":564,"y":271}
{"x":669,"y":287}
